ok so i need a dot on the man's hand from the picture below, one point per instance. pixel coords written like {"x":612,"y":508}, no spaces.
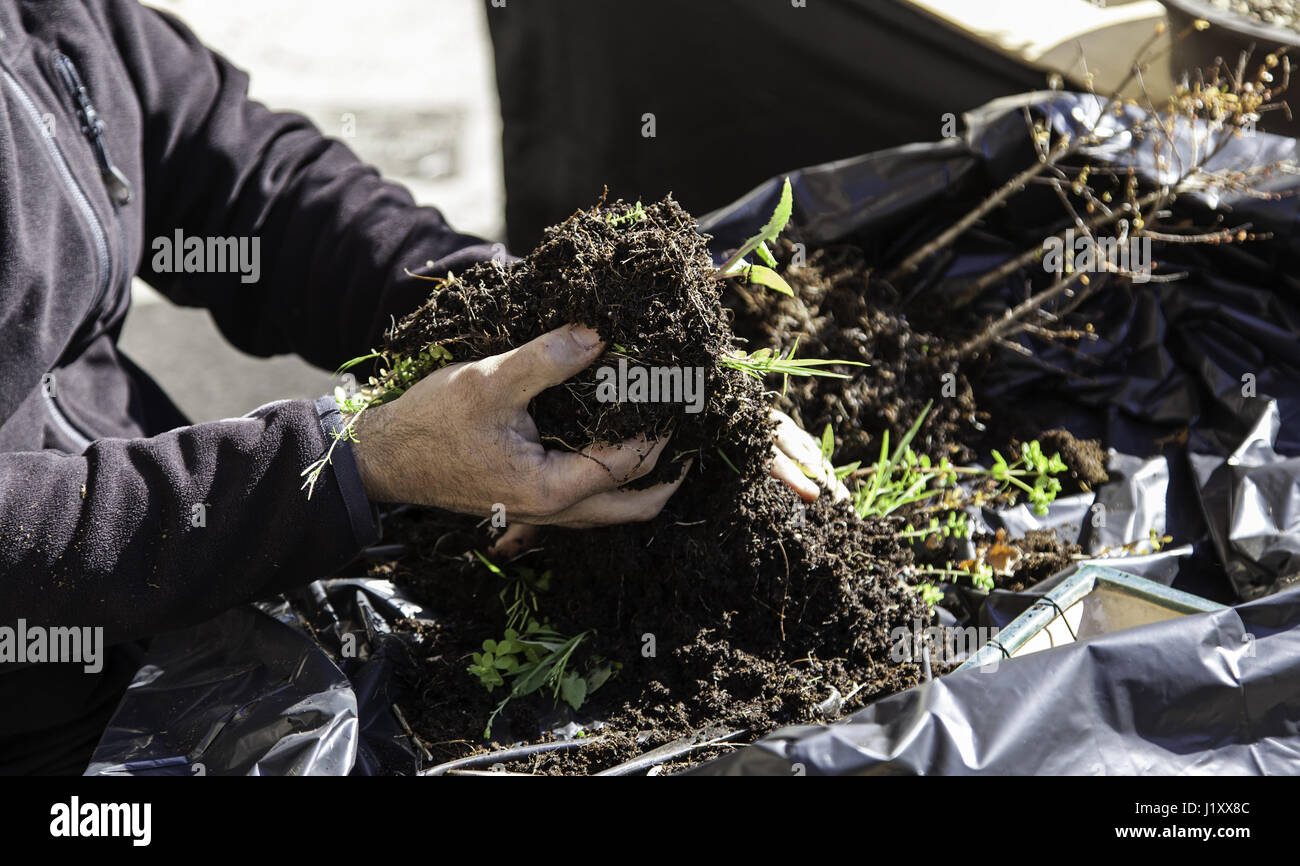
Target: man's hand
{"x":462,"y":439}
{"x":796,"y":455}
{"x":791,"y":449}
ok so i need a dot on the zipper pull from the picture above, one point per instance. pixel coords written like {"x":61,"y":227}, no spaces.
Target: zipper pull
{"x":119,"y":188}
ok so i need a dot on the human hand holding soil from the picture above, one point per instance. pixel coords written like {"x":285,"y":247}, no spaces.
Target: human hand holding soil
{"x":462,"y":439}
{"x":793,"y":451}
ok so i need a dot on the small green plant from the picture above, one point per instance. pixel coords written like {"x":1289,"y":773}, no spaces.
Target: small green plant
{"x":901,"y":477}
{"x":635,"y":215}
{"x":1033,"y":473}
{"x":531,"y":656}
{"x":764,"y":362}
{"x":930,"y":594}
{"x":827,"y":448}
{"x":827,"y":444}
{"x":737,"y":267}
{"x":902,"y":480}
{"x":980,"y":574}
{"x":956,"y":525}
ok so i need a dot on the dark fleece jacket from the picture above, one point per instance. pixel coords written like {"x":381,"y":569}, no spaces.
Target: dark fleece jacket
{"x":117,"y":127}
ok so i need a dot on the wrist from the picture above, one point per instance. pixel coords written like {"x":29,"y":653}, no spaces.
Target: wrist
{"x":370,"y":450}
{"x":341,"y":460}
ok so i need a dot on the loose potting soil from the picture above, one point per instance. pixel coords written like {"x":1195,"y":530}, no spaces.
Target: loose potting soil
{"x":740,"y":608}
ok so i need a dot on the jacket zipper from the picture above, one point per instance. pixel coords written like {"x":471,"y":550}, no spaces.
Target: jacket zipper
{"x":96,"y":228}
{"x":98,"y":235}
{"x":119,"y":188}
{"x":115,"y":181}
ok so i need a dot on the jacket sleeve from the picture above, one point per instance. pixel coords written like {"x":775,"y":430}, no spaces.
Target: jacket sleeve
{"x":335,"y":238}
{"x":147,"y":535}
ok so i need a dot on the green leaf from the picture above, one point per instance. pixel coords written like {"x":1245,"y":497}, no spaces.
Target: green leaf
{"x":538,"y":676}
{"x":780,"y":217}
{"x":761,"y":276}
{"x":773,"y":227}
{"x":598,"y":676}
{"x":828,"y":442}
{"x":491,"y":567}
{"x":911,"y":433}
{"x":573,"y":689}
{"x":842,"y":472}
{"x":348,"y":365}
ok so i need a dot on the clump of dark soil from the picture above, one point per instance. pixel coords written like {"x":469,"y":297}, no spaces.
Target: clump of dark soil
{"x":642,"y":278}
{"x":1085,"y":457}
{"x":740,"y":608}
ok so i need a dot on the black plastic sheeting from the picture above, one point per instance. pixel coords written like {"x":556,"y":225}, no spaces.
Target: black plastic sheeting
{"x":242,"y":694}
{"x":1211,"y":361}
{"x":280,"y":688}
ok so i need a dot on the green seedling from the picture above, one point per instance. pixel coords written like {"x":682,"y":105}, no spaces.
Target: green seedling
{"x":901,"y":477}
{"x":532,"y":656}
{"x":980,"y":574}
{"x":1033,"y":473}
{"x":635,"y":215}
{"x":827,"y":449}
{"x":766,"y":277}
{"x":957,"y":525}
{"x":930,"y":594}
{"x":842,"y":472}
{"x":763,"y":275}
{"x":764,"y":362}
{"x":727,"y":460}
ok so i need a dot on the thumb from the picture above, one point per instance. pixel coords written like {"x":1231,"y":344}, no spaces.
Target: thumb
{"x":527,"y":371}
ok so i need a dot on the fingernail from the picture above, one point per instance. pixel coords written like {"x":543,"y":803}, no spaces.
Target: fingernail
{"x":585,"y":337}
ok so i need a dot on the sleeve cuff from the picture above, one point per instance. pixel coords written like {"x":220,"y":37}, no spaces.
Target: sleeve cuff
{"x":361,"y":513}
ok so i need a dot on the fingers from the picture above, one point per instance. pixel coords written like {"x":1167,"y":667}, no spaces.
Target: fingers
{"x":572,"y":477}
{"x":517,"y":538}
{"x":786,"y":470}
{"x":804,"y":451}
{"x":527,"y":371}
{"x":619,"y":506}
{"x":797,"y":444}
